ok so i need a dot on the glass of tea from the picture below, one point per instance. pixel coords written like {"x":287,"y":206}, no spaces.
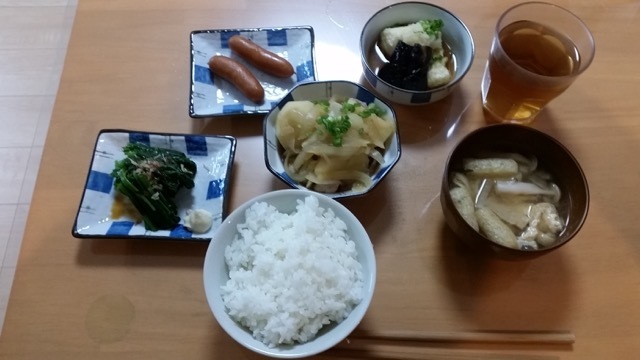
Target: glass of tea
{"x":538,"y":50}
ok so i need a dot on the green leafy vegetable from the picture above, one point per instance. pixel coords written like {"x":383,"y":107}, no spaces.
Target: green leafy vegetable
{"x":151,"y":177}
{"x":432,"y":27}
{"x":336,"y":127}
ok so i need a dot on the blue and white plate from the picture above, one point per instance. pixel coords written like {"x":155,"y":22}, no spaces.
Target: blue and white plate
{"x":212,"y":154}
{"x":212,"y":96}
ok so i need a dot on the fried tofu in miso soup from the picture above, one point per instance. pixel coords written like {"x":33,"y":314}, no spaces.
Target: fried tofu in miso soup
{"x":509,"y":199}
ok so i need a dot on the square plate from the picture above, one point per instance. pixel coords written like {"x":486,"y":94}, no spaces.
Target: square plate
{"x":212,"y":154}
{"x":211,"y":96}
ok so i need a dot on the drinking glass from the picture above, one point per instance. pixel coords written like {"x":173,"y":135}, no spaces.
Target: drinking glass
{"x":538,"y":50}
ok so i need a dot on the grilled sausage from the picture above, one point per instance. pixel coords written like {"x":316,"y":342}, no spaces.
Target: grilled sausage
{"x":260,"y":57}
{"x":238,"y":75}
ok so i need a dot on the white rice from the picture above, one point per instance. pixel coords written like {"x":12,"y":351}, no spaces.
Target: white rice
{"x":291,"y":274}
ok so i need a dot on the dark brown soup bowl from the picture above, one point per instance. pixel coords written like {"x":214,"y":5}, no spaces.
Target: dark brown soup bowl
{"x":552,"y":156}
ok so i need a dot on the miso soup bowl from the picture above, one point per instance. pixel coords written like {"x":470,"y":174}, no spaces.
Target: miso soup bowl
{"x":323,"y":90}
{"x":552,"y":156}
{"x":455,"y":34}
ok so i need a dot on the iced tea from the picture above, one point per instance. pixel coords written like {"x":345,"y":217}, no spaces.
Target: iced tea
{"x":530,"y":64}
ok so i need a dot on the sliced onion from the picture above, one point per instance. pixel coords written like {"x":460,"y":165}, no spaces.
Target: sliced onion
{"x":377,"y":156}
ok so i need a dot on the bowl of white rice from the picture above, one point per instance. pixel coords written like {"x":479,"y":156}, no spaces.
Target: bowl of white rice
{"x":290,"y":273}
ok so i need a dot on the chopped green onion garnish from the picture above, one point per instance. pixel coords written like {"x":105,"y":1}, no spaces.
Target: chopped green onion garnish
{"x":432,"y":27}
{"x":336,"y":127}
{"x":372,"y":109}
{"x":348,"y":107}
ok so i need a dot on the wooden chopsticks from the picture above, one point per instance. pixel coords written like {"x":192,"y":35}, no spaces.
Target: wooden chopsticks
{"x":409,"y":345}
{"x":402,"y":353}
{"x":511,"y":337}
{"x":447,"y":345}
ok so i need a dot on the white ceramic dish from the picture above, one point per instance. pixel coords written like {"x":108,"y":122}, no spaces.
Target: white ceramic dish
{"x":455,"y":34}
{"x":212,"y":154}
{"x":211,"y":96}
{"x":323,"y":90}
{"x":216,"y":274}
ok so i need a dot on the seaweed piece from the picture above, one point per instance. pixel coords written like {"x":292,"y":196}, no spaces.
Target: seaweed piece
{"x":408,"y":67}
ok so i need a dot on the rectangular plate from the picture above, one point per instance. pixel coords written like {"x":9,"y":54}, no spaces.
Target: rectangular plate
{"x":212,"y":154}
{"x":212,"y":96}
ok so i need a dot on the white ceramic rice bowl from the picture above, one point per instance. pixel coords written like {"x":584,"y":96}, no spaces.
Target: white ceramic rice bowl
{"x":216,"y":274}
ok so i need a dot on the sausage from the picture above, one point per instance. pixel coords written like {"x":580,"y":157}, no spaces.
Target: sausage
{"x":238,"y":75}
{"x":260,"y":57}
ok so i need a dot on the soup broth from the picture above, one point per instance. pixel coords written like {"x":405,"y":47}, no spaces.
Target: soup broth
{"x":510,"y":199}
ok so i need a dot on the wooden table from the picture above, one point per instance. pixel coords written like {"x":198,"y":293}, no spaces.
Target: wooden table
{"x":128,"y":67}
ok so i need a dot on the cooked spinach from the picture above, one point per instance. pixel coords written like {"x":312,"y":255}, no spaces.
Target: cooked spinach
{"x":151,"y":177}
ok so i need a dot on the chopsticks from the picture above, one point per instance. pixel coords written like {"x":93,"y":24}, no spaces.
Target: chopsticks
{"x":409,"y":344}
{"x":511,"y":337}
{"x":403,"y":353}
